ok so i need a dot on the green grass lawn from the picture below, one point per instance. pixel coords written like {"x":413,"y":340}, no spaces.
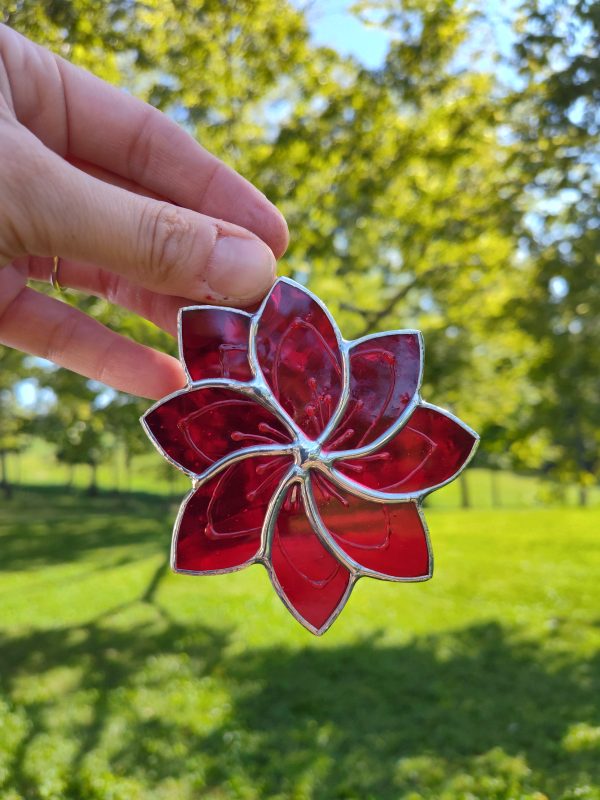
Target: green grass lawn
{"x":119,"y":680}
{"x":150,"y":473}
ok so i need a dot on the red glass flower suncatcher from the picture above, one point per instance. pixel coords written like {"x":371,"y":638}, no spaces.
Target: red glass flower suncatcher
{"x":307,"y":453}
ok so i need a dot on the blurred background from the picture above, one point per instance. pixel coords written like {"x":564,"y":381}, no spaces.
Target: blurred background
{"x":437,"y":162}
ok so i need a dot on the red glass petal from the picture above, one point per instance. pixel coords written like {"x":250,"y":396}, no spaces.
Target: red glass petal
{"x":299,"y":355}
{"x":200,"y":426}
{"x":312,"y":580}
{"x":214,"y":343}
{"x":220,"y":526}
{"x":385,"y":538}
{"x":384,"y":376}
{"x":429,"y":450}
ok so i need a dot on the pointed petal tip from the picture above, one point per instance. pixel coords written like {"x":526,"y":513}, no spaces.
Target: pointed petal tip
{"x":430,"y":451}
{"x":385,"y":377}
{"x":298,"y":348}
{"x":198,"y":427}
{"x":311,"y":582}
{"x":316,"y":629}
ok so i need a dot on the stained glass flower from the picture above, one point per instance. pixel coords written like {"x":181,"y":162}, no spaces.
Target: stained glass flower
{"x":307,"y":453}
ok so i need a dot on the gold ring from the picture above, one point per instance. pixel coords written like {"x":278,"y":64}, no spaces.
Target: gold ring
{"x":54,"y":275}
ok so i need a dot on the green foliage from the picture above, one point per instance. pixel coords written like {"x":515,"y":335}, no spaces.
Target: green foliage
{"x":119,"y":680}
{"x":556,"y":120}
{"x":443,"y":190}
{"x":12,"y":418}
{"x":488,"y":488}
{"x":11,"y":424}
{"x":72,"y":423}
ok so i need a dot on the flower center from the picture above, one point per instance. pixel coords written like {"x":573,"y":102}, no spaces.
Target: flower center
{"x":308,"y":455}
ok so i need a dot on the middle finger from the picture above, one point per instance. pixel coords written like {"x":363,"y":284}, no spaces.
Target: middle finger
{"x":160,"y":309}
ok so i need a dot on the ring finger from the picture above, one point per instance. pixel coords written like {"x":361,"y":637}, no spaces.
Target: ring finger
{"x":65,"y":335}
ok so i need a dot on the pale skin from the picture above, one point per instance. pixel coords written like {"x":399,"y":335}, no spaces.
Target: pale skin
{"x":138,"y":212}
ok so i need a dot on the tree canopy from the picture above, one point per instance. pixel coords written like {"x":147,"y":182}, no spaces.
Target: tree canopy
{"x":451,"y":188}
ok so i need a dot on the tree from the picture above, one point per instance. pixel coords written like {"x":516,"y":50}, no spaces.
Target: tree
{"x":557,"y":57}
{"x":73,"y":421}
{"x":121,"y":418}
{"x":417,"y":193}
{"x":406,"y":217}
{"x":11,"y":417}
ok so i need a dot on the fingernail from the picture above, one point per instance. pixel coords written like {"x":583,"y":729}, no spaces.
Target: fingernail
{"x":240,"y":268}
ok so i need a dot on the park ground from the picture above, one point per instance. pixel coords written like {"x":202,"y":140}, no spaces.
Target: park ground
{"x":121,"y":681}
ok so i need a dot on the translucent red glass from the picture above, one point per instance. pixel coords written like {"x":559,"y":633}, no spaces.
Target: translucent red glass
{"x":198,"y":427}
{"x":311,"y":579}
{"x":215,"y":343}
{"x":384,"y":538}
{"x":252,"y":507}
{"x":384,"y":376}
{"x":429,"y":450}
{"x":220,"y":525}
{"x":299,"y":356}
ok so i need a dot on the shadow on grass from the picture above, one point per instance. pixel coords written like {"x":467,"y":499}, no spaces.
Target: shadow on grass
{"x":361,"y":720}
{"x":48,"y":521}
{"x":134,"y":700}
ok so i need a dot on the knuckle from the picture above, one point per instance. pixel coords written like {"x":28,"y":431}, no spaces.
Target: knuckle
{"x":102,"y":369}
{"x":24,"y":178}
{"x":142,"y":150}
{"x":12,"y":286}
{"x":14,"y":173}
{"x":109,"y":284}
{"x":60,"y":336}
{"x":169,"y":238}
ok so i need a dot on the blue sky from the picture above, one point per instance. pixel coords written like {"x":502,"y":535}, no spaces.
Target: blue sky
{"x":333,"y":25}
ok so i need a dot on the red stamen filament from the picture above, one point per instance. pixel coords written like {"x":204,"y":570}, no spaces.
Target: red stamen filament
{"x":385,"y":456}
{"x":353,"y":467}
{"x":275,"y":472}
{"x":260,"y":470}
{"x":320,"y":404}
{"x":264,"y":427}
{"x":343,"y":437}
{"x":329,"y":490}
{"x":237,"y":436}
{"x":358,"y":404}
{"x":311,"y":414}
{"x":292,"y":501}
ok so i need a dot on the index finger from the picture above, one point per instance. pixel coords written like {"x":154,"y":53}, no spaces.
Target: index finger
{"x":114,"y":130}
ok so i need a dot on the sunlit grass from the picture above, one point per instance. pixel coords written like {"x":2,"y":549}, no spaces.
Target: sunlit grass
{"x":37,"y":466}
{"x":120,"y":680}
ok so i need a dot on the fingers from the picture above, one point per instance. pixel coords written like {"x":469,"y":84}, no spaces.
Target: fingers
{"x":160,"y":309}
{"x":57,"y":208}
{"x":116,"y":180}
{"x":79,"y":115}
{"x":69,"y":338}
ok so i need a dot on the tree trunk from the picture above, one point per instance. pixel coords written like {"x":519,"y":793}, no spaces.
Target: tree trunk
{"x":4,"y":483}
{"x":495,"y":485}
{"x":465,"y":500}
{"x":93,"y":487}
{"x":583,"y":496}
{"x":128,"y":460}
{"x":117,"y":473}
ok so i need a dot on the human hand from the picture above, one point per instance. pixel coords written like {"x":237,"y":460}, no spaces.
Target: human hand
{"x":138,"y":212}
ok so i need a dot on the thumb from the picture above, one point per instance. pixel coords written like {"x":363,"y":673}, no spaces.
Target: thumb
{"x":59,"y":210}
